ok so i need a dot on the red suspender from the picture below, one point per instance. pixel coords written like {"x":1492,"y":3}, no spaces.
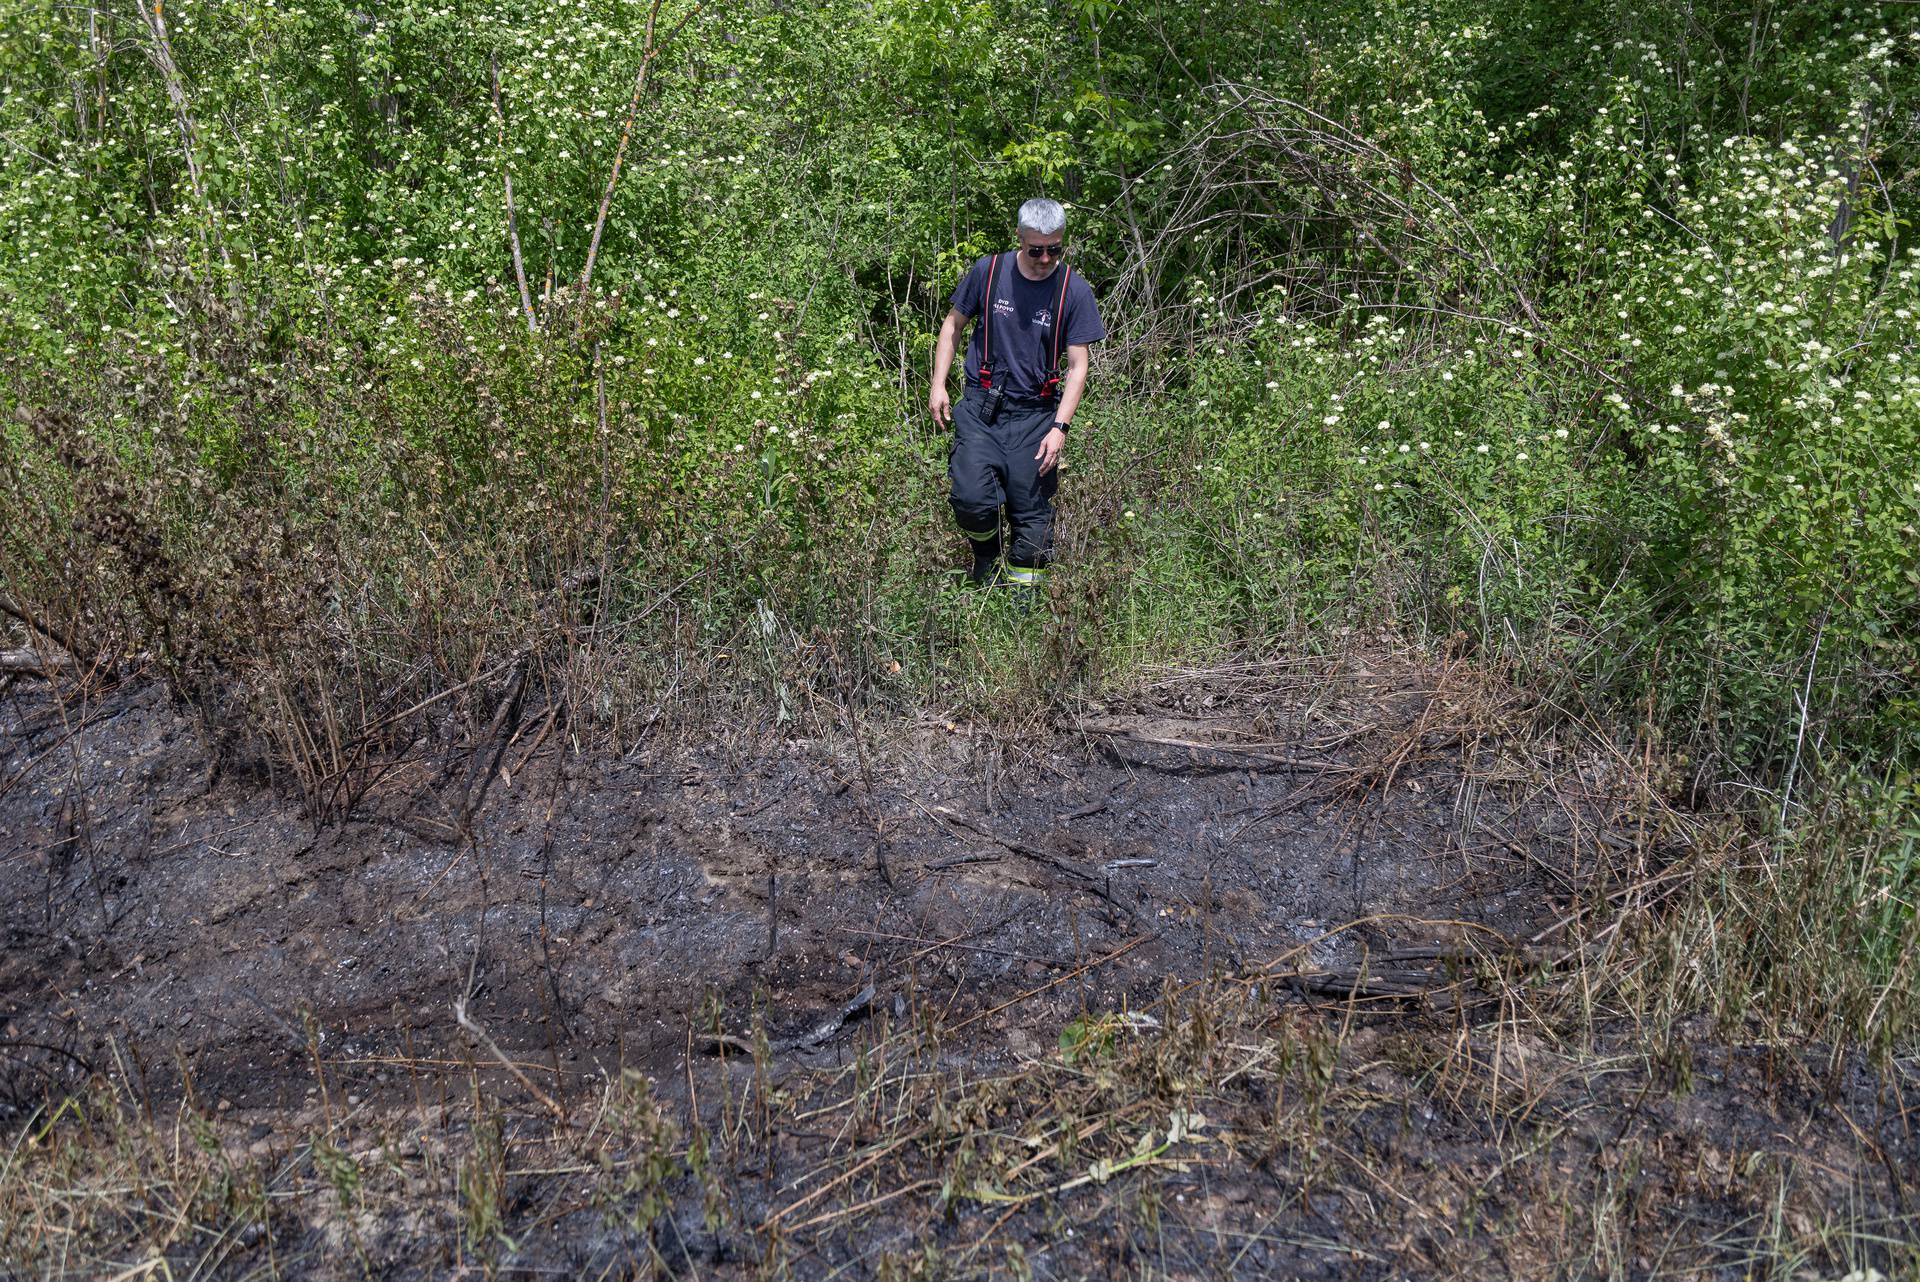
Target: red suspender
{"x":1059,"y":332}
{"x":986,"y":326}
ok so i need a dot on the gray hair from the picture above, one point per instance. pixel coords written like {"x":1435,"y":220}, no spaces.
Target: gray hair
{"x":1042,"y":216}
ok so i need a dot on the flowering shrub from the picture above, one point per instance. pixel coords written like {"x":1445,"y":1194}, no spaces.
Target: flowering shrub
{"x":1588,"y":336}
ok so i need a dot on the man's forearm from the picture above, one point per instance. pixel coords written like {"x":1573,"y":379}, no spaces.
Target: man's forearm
{"x":943,"y":356}
{"x":1072,"y":387}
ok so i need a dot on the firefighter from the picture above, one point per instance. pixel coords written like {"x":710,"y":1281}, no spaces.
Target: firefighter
{"x":1010,"y":426}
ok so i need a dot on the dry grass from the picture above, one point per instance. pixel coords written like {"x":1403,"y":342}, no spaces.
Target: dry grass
{"x":1228,"y":1129}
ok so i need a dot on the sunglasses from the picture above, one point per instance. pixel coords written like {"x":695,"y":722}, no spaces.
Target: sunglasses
{"x":1046,"y":251}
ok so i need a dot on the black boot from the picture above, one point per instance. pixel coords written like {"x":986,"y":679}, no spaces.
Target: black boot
{"x":986,"y":564}
{"x":986,"y":557}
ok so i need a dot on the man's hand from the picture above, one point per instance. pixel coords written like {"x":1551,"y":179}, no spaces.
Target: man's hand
{"x":940,"y":405}
{"x":1050,"y":447}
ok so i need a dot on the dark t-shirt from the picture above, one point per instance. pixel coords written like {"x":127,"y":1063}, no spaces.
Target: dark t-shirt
{"x":1023,"y":322}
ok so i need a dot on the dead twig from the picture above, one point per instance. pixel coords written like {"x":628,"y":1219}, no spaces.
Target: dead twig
{"x":479,"y":1034}
{"x":1084,"y":878}
{"x":546,"y":728}
{"x":1075,"y":973}
{"x":474,"y":792}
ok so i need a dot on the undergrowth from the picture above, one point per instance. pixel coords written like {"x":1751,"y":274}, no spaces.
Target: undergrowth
{"x":1139,"y":1145}
{"x":371,"y":375}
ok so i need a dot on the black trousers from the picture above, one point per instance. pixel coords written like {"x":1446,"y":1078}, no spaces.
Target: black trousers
{"x":991,"y":465}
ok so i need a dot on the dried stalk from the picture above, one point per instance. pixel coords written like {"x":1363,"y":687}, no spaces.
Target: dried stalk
{"x":513,"y":221}
{"x":162,"y":55}
{"x":649,"y":50}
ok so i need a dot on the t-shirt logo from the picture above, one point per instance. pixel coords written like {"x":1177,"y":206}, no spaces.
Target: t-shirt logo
{"x":1002,"y":307}
{"x":1043,"y":319}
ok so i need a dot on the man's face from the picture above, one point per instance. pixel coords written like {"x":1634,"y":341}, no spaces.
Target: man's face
{"x":1041,"y":253}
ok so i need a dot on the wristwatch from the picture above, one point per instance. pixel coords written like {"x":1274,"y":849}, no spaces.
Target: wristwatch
{"x":1059,"y":427}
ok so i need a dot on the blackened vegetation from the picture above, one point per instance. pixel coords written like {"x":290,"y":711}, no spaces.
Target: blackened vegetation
{"x":1318,"y":969}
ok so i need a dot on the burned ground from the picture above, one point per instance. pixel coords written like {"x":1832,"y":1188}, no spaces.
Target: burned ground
{"x":1270,"y":970}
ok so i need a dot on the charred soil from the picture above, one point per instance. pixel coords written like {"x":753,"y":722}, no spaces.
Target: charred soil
{"x":1272,"y":970}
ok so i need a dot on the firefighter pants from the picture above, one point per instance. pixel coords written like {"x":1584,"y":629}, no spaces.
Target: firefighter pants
{"x":991,"y":465}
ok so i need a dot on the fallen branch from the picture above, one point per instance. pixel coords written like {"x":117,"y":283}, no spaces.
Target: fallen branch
{"x":1241,"y":757}
{"x":979,"y":857}
{"x":1368,"y":983}
{"x":38,"y":623}
{"x":32,"y":663}
{"x":810,"y":1040}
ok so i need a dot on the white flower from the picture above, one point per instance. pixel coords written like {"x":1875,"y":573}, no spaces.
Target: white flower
{"x":1480,"y":449}
{"x":1521,"y":457}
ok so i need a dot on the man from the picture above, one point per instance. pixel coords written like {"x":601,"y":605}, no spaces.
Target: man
{"x":1010,"y":426}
